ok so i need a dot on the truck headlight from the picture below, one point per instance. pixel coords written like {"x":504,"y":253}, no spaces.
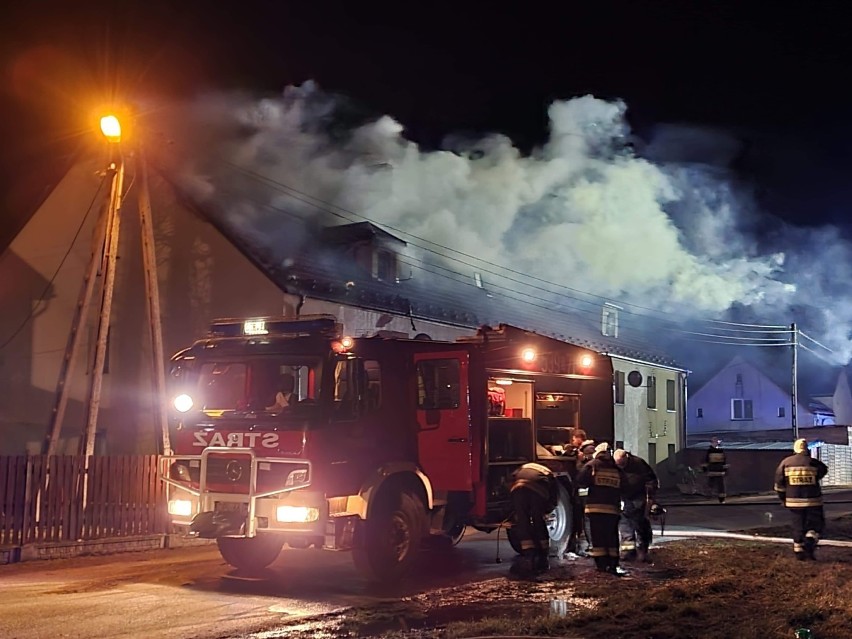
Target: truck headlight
{"x":180,"y":507}
{"x":182,"y":403}
{"x":296,"y":514}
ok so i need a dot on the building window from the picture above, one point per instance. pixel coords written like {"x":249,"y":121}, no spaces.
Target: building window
{"x":670,"y":394}
{"x":781,"y":411}
{"x":619,"y":387}
{"x":652,"y":391}
{"x":699,"y":412}
{"x":741,"y":409}
{"x":385,"y":266}
{"x":609,"y":320}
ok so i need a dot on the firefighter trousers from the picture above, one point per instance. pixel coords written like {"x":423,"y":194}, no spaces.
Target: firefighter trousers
{"x":717,"y":485}
{"x":635,"y":527}
{"x":530,"y":527}
{"x":808,"y":524}
{"x":605,"y":540}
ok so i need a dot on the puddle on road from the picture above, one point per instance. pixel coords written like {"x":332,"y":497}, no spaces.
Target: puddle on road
{"x":559,"y":594}
{"x":425,"y":612}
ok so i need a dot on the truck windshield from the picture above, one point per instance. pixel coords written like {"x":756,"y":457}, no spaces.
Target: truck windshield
{"x":260,"y":385}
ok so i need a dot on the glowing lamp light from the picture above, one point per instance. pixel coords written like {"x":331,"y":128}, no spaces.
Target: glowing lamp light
{"x":528,"y":355}
{"x":586,"y":361}
{"x":180,"y":507}
{"x":343,"y":344}
{"x":255,"y":327}
{"x":182,"y":403}
{"x":111,"y":128}
{"x":503,"y":382}
{"x":296,"y":514}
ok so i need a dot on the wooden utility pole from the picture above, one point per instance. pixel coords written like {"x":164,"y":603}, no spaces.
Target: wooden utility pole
{"x":103,"y":259}
{"x":152,"y":294}
{"x":794,"y":395}
{"x":114,"y":226}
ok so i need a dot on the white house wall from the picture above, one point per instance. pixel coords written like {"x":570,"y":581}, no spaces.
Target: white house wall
{"x":642,"y":429}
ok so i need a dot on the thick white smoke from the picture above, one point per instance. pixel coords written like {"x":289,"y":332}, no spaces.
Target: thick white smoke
{"x":583,"y":211}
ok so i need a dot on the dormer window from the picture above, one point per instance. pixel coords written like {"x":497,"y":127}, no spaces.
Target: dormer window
{"x":609,"y":320}
{"x":384,"y":266}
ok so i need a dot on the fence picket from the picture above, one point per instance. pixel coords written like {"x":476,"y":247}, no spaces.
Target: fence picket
{"x":42,"y":498}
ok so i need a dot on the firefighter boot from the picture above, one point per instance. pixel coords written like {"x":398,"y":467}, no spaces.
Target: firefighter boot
{"x":613,"y":568}
{"x":810,"y":548}
{"x":602,"y":564}
{"x":642,"y":555}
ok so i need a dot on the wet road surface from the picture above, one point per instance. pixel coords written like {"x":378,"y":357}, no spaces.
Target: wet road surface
{"x":191,"y":593}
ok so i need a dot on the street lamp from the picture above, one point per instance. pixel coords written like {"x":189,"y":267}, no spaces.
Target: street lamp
{"x":111,"y":128}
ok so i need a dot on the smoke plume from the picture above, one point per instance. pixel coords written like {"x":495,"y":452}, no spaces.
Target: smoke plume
{"x":585,"y":210}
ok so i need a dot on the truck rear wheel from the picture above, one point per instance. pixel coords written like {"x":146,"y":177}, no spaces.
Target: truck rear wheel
{"x":250,"y":553}
{"x":559,"y":526}
{"x":387,"y":543}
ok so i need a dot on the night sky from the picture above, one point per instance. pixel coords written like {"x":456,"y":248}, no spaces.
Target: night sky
{"x":775,"y":78}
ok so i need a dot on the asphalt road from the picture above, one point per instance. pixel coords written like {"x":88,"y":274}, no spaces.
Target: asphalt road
{"x":190,"y":592}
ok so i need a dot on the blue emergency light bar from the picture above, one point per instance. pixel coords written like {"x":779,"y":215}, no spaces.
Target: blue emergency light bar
{"x":306,"y":325}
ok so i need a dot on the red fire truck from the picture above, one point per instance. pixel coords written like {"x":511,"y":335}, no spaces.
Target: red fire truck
{"x":287,"y":432}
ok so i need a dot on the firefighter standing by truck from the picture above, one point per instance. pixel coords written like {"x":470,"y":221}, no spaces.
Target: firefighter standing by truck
{"x":639,"y":489}
{"x":534,"y":494}
{"x":572,"y":452}
{"x":603,"y":508}
{"x":716,"y":466}
{"x":797,"y":485}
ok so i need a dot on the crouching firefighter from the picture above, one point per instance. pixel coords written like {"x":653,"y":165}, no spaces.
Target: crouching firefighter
{"x":603,"y":508}
{"x":639,"y":485}
{"x":534,"y":494}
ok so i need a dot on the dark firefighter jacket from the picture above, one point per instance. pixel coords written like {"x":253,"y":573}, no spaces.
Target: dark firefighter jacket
{"x":639,"y":479}
{"x":797,"y":481}
{"x":603,"y":479}
{"x":541,"y":480}
{"x":715,"y":462}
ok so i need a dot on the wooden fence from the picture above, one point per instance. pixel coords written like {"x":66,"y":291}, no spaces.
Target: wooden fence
{"x":62,"y":499}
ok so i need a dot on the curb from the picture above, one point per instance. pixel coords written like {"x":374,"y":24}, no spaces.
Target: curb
{"x":107,"y":546}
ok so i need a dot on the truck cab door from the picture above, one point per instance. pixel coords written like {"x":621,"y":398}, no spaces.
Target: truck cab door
{"x":443,"y":417}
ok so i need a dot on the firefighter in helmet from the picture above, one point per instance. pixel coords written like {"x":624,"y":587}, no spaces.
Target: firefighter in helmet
{"x":534,"y":494}
{"x":603,"y":508}
{"x":797,"y":485}
{"x":639,"y":489}
{"x":716,"y":466}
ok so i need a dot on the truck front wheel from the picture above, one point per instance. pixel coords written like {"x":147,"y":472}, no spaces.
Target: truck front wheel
{"x":387,"y":543}
{"x":250,"y":553}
